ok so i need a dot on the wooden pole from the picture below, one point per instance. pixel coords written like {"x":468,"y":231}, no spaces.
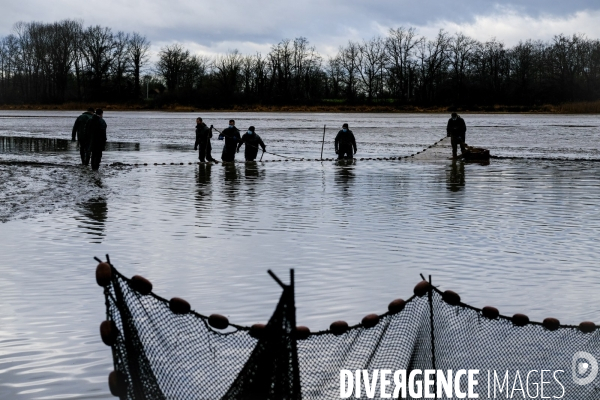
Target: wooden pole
{"x":323,"y":143}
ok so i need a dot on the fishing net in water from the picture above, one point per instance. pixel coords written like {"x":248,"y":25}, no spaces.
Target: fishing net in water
{"x":440,"y":150}
{"x":163,"y":350}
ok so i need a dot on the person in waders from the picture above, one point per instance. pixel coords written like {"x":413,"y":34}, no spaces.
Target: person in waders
{"x":345,"y":143}
{"x":231,"y":135}
{"x":203,"y":135}
{"x":457,"y":130}
{"x":252,"y":141}
{"x":96,"y":129}
{"x":78,"y":133}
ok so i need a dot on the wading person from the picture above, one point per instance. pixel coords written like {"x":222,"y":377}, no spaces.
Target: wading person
{"x":79,"y":134}
{"x":345,"y":143}
{"x":203,"y":135}
{"x":252,"y":141}
{"x":96,"y":129}
{"x":457,"y":130}
{"x":231,"y":135}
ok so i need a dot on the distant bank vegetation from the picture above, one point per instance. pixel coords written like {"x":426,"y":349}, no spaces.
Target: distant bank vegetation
{"x":65,"y":63}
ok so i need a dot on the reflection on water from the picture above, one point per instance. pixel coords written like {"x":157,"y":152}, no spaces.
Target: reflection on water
{"x":456,"y":176}
{"x":95,"y":212}
{"x":13,"y":144}
{"x":9,"y":144}
{"x":344,"y":174}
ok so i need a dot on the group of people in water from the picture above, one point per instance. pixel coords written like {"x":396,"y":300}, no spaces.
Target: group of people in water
{"x":90,"y":131}
{"x":345,"y":142}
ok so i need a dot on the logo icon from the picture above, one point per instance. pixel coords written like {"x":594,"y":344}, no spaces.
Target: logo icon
{"x":585,"y":368}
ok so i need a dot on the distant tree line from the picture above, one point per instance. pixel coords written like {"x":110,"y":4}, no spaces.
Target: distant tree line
{"x":64,"y":61}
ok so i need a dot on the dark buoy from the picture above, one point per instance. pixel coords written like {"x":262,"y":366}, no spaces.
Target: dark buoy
{"x":451,"y":297}
{"x":490,"y":312}
{"x":370,"y":320}
{"x":551,"y":324}
{"x":302,"y":332}
{"x":103,"y":274}
{"x":396,"y":306}
{"x":520,"y":319}
{"x":218,"y":321}
{"x":421,"y":288}
{"x":257,"y":331}
{"x":140,"y":284}
{"x":179,"y":306}
{"x":587,"y":327}
{"x":108,"y":332}
{"x":338,"y":327}
{"x":117,"y":384}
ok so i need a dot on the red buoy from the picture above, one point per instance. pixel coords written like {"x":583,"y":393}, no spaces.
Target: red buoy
{"x":179,"y":306}
{"x":551,"y":324}
{"x":451,"y":297}
{"x":421,"y":288}
{"x":140,"y":284}
{"x":490,"y":312}
{"x":370,"y":320}
{"x":396,"y":306}
{"x":301,"y":332}
{"x":520,"y":319}
{"x":108,"y":332}
{"x":117,"y":384}
{"x":257,"y":331}
{"x":218,"y":321}
{"x":103,"y":274}
{"x":338,"y":327}
{"x":587,"y":327}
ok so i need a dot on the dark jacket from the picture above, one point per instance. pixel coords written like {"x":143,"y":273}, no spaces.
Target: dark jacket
{"x":203,"y":135}
{"x":345,"y":139}
{"x":232,"y":137}
{"x":79,"y":126}
{"x":456,"y":127}
{"x":96,"y":130}
{"x":252,"y":141}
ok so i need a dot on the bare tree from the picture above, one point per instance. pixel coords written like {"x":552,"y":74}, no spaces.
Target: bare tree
{"x":462,"y":50}
{"x":399,"y":50}
{"x":171,"y":65}
{"x":348,"y":62}
{"x":371,"y":60}
{"x":227,"y":70}
{"x":139,"y":48}
{"x":98,"y":47}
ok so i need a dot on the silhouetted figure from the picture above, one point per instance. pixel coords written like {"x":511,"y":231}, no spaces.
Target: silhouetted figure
{"x":96,"y":129}
{"x":252,"y":141}
{"x":345,"y":143}
{"x":231,"y":134}
{"x":203,"y":135}
{"x":78,"y":133}
{"x":457,"y":130}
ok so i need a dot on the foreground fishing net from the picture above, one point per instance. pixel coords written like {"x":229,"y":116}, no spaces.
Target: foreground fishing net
{"x":163,"y":350}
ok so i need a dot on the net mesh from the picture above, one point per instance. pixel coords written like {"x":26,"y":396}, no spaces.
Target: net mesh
{"x":163,"y":355}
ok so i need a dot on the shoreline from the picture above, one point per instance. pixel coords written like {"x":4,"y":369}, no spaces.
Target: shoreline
{"x":570,"y":108}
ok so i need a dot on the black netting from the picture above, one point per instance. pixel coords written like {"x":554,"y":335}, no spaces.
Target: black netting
{"x":162,"y":355}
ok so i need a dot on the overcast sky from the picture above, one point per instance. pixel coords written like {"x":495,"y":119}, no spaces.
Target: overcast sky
{"x":218,"y":26}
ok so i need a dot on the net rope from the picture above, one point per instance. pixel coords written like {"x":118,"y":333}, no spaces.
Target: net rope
{"x":162,"y":355}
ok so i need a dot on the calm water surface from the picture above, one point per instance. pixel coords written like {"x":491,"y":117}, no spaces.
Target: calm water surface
{"x":520,"y":233}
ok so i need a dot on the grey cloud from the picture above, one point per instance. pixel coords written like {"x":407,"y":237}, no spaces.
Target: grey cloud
{"x":326,"y":23}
